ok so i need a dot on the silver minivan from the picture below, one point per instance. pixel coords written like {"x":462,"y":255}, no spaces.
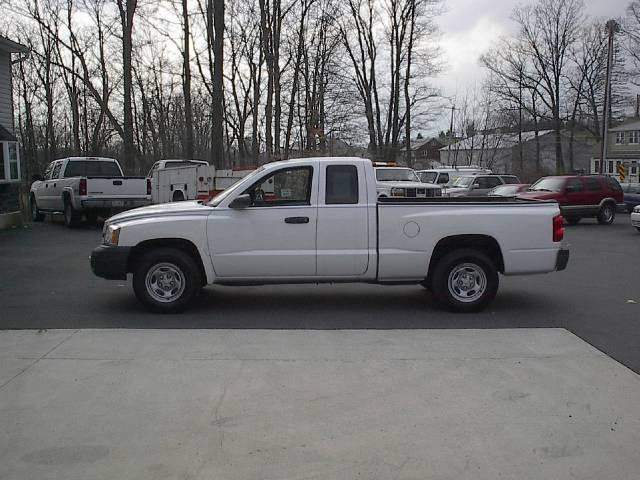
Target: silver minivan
{"x":478,"y":185}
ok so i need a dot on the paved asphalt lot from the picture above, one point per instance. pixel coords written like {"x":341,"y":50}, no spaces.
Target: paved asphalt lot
{"x":46,"y":283}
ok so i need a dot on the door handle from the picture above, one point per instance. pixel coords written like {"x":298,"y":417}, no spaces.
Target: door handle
{"x":296,"y":220}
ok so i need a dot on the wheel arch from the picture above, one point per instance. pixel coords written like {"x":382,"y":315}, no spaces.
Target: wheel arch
{"x":187,"y":246}
{"x":483,"y":243}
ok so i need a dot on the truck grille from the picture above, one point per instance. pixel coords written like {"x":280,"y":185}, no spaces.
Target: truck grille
{"x":422,"y":192}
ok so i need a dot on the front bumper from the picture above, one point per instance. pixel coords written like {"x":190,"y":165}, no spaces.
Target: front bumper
{"x":110,"y":262}
{"x":562,"y":259}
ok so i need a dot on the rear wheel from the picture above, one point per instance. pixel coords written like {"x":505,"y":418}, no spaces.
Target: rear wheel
{"x":36,"y":216}
{"x":465,"y":280}
{"x":178,"y":196}
{"x":165,"y":280}
{"x":572,"y":220}
{"x":71,"y":217}
{"x":607,"y":214}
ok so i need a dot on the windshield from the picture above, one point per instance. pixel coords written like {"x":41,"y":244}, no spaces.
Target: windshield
{"x":506,"y":190}
{"x":246,"y":181}
{"x":462,"y":182}
{"x":428,"y":177}
{"x":548,"y":184}
{"x":396,"y":175}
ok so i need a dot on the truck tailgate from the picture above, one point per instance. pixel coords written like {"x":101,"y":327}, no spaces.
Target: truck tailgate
{"x":123,"y":187}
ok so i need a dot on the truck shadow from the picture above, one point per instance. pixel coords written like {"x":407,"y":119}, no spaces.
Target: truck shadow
{"x":324,"y":307}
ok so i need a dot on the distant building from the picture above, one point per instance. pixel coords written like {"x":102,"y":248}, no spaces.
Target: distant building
{"x":10,"y":171}
{"x":501,"y":152}
{"x":425,"y":152}
{"x":623,"y":147}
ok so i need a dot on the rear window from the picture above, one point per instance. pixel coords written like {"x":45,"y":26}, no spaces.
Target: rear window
{"x":92,"y":168}
{"x":613,"y":184}
{"x":342,"y":185}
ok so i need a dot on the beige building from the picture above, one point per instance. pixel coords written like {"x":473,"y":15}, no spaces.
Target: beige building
{"x":623,"y":148}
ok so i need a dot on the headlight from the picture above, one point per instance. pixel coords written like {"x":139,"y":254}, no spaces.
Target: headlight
{"x":398,"y":192}
{"x":111,"y":235}
{"x":636,"y":209}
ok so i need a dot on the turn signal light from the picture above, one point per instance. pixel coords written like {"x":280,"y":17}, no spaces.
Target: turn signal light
{"x":558,"y":228}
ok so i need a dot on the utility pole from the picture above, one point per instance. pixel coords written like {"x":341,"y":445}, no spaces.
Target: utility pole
{"x":453,"y":108}
{"x":612,"y":27}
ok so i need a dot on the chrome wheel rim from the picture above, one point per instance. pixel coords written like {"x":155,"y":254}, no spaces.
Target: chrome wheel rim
{"x":467,"y":282}
{"x":607,"y":213}
{"x":165,"y":282}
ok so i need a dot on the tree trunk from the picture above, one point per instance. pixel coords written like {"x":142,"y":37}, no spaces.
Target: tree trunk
{"x":186,"y":85}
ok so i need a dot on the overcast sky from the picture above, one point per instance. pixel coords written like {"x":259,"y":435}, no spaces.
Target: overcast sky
{"x":469,"y":28}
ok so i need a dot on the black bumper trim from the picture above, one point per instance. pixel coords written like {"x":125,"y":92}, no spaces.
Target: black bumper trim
{"x":110,"y":262}
{"x":562,"y":259}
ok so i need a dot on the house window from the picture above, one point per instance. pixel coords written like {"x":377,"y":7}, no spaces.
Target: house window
{"x":619,"y":138}
{"x":9,"y":162}
{"x":596,"y":166}
{"x":634,"y":137}
{"x":610,"y":166}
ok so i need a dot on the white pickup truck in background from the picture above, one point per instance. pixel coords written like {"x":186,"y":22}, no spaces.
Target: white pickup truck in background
{"x":320,"y":220}
{"x":92,"y":186}
{"x":403,"y":182}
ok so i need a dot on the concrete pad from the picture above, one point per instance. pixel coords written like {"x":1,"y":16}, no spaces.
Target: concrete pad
{"x":471,"y":404}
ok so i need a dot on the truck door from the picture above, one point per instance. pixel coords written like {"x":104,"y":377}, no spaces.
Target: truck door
{"x":273,"y":237}
{"x":343,"y":233}
{"x":54,"y":191}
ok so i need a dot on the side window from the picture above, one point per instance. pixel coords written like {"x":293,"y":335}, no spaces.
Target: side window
{"x":56,"y":170}
{"x":47,"y":172}
{"x":342,"y":184}
{"x":443,"y":178}
{"x":593,"y":185}
{"x":493,"y":182}
{"x":481,"y":182}
{"x":287,"y":186}
{"x":613,"y":184}
{"x":574,"y":185}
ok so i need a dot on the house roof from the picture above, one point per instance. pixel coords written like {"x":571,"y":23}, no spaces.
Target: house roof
{"x":494,"y":140}
{"x":631,"y":124}
{"x":417,"y":144}
{"x":10,"y":46}
{"x":6,"y":135}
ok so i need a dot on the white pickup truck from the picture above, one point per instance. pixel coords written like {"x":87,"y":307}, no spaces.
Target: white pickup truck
{"x":86,"y":185}
{"x":320,"y":220}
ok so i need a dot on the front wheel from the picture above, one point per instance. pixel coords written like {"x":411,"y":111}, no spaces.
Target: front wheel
{"x":465,"y":280}
{"x":165,"y":280}
{"x":607,"y":214}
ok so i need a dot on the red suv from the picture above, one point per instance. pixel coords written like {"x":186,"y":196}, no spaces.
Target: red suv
{"x":580,"y":196}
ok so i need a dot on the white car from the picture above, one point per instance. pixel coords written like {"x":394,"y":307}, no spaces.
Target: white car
{"x":317,"y":220}
{"x":403,"y":182}
{"x":635,"y":217}
{"x":447,"y":175}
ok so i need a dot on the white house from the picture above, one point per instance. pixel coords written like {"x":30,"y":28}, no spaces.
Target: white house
{"x":10,"y":169}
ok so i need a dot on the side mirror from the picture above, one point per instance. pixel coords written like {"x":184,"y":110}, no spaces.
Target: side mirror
{"x":37,"y":178}
{"x":476,"y":185}
{"x":241,"y":201}
{"x":570,"y":189}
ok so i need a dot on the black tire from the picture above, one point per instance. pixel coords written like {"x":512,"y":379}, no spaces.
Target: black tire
{"x":478,"y":266}
{"x":607,"y":214}
{"x":572,"y":220}
{"x":178,"y":267}
{"x":638,"y":228}
{"x":71,"y":217}
{"x":36,"y":215}
{"x":178,"y":196}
